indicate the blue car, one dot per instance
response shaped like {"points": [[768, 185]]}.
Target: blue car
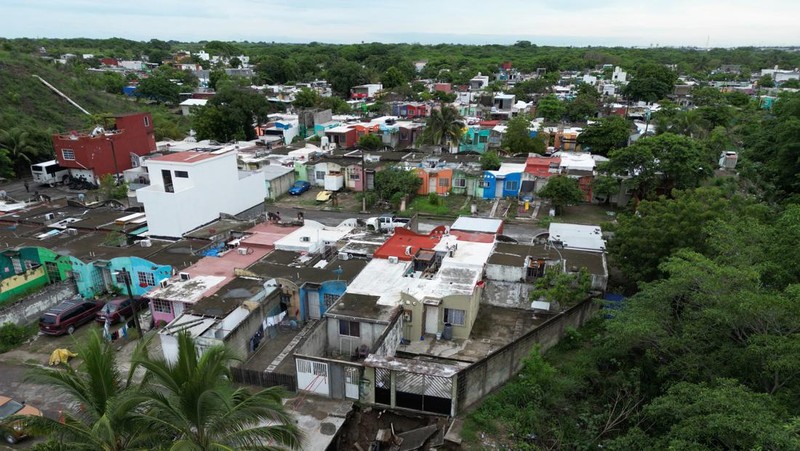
{"points": [[299, 188]]}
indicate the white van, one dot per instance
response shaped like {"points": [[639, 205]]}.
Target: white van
{"points": [[49, 173]]}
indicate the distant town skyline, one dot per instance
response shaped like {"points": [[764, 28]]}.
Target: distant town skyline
{"points": [[698, 23]]}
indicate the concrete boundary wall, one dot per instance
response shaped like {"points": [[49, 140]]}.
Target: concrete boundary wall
{"points": [[29, 309], [485, 375]]}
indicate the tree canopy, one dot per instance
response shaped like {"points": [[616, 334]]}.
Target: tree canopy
{"points": [[561, 191], [605, 135], [517, 138]]}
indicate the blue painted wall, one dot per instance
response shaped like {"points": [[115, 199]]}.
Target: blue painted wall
{"points": [[490, 181], [332, 287], [515, 178], [91, 281]]}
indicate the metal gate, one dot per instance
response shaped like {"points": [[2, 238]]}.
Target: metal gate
{"points": [[313, 377], [424, 392], [351, 381], [383, 386], [313, 304]]}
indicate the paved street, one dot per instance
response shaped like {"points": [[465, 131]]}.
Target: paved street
{"points": [[522, 232]]}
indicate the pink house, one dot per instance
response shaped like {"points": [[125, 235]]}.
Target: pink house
{"points": [[210, 274]]}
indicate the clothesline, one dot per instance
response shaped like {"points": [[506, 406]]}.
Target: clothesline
{"points": [[274, 320]]}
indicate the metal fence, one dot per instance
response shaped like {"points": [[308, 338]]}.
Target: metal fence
{"points": [[480, 378], [263, 378]]}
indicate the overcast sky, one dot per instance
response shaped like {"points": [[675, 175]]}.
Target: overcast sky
{"points": [[722, 23]]}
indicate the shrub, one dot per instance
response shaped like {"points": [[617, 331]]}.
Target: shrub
{"points": [[433, 199], [12, 336]]}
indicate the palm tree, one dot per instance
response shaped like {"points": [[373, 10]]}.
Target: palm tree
{"points": [[20, 146], [195, 400], [108, 416], [444, 126]]}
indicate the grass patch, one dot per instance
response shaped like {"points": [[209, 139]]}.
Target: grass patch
{"points": [[586, 214], [440, 205]]}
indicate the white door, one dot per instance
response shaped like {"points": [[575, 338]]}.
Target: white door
{"points": [[498, 188], [313, 304], [351, 381], [431, 320], [312, 377], [432, 185]]}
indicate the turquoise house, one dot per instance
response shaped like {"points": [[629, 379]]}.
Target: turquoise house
{"points": [[475, 140], [100, 276], [319, 296]]}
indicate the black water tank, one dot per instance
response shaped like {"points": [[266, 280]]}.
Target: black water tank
{"points": [[447, 333]]}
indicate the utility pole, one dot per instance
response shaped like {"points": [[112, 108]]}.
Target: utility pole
{"points": [[363, 182], [126, 276]]}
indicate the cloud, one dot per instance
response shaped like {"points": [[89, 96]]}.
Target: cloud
{"points": [[577, 22]]}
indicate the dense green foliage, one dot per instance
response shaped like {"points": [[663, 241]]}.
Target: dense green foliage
{"points": [[561, 191], [490, 161], [605, 135], [517, 138], [394, 183]]}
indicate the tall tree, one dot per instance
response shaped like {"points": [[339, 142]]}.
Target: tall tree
{"points": [[444, 127], [606, 134], [550, 108], [662, 162], [561, 191], [517, 138], [393, 78], [651, 82], [195, 400]]}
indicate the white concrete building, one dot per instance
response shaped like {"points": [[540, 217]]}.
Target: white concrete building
{"points": [[189, 104], [619, 76], [190, 189], [587, 238], [313, 237]]}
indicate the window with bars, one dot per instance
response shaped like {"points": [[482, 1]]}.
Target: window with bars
{"points": [[460, 183], [454, 316], [146, 278], [349, 328], [319, 175], [512, 185], [68, 154], [485, 184], [329, 299], [162, 306], [444, 182]]}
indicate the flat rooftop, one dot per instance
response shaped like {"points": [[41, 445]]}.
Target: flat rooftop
{"points": [[457, 274], [470, 224], [577, 236], [494, 328], [352, 305], [508, 254]]}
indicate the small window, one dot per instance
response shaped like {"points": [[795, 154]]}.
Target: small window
{"points": [[319, 175], [68, 154], [354, 175], [444, 182], [484, 184], [349, 328], [454, 316], [182, 174], [146, 121], [483, 138], [329, 299], [512, 186], [460, 183], [146, 279], [162, 306]]}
